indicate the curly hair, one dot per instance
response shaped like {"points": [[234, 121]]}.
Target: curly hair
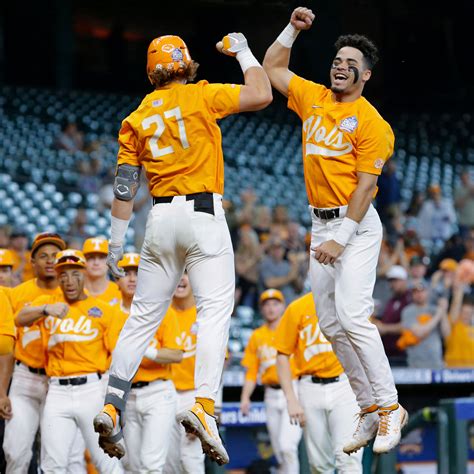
{"points": [[363, 44], [160, 77]]}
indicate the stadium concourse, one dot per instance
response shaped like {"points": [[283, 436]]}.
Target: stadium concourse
{"points": [[51, 183]]}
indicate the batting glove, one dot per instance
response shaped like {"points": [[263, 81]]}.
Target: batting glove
{"points": [[113, 258], [233, 43]]}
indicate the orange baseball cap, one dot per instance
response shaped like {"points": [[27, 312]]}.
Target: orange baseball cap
{"points": [[129, 260], [47, 238], [70, 257], [271, 294], [167, 52], [6, 258], [448, 264], [96, 245]]}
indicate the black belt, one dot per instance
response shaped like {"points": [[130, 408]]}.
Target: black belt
{"points": [[324, 380], [203, 202], [275, 386], [76, 380], [32, 369], [326, 213], [140, 384]]}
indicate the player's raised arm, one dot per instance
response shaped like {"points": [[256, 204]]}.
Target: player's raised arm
{"points": [[256, 94], [277, 57]]}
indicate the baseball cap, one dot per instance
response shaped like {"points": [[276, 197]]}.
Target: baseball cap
{"points": [[167, 52], [6, 258], [271, 294], [70, 257], [448, 264], [95, 245], [397, 272], [129, 260], [47, 238], [434, 188]]}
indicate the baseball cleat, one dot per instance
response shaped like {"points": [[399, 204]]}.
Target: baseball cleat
{"points": [[366, 430], [110, 433], [392, 420], [204, 426]]}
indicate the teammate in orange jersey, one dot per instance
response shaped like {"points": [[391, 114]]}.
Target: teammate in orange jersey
{"points": [[325, 405], [260, 362], [345, 145], [7, 343], [29, 384], [151, 407], [77, 334], [97, 282], [6, 269], [186, 457], [22, 267], [174, 136]]}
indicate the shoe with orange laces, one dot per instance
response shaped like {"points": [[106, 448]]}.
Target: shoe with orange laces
{"points": [[392, 420], [107, 424], [366, 430], [204, 426]]}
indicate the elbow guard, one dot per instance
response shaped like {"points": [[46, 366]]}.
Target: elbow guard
{"points": [[127, 182]]}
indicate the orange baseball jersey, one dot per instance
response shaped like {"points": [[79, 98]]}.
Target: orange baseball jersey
{"points": [[299, 334], [174, 135], [165, 337], [111, 295], [7, 323], [183, 373], [29, 348], [81, 342], [339, 140], [460, 346], [260, 357]]}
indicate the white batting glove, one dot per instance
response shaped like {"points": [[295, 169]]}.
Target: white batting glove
{"points": [[232, 44], [113, 258]]}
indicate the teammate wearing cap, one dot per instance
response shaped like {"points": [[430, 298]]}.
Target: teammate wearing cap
{"points": [[186, 457], [97, 282], [325, 404], [151, 407], [29, 384], [7, 344], [174, 136], [77, 332], [22, 267], [345, 145], [6, 270], [260, 361]]}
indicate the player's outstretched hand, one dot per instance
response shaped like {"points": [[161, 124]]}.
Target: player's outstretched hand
{"points": [[302, 18], [5, 408], [232, 43], [113, 258], [58, 310], [245, 407]]}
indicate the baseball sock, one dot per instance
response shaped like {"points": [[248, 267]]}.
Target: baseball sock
{"points": [[370, 409], [207, 404], [390, 408]]}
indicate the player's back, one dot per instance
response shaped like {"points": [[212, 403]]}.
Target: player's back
{"points": [[174, 135]]}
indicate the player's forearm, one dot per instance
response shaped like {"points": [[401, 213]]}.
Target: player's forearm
{"points": [[164, 355], [29, 315], [6, 370], [360, 201], [121, 213], [284, 376], [122, 209], [258, 84], [247, 389], [276, 57]]}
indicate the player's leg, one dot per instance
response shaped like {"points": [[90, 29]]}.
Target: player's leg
{"points": [[342, 420], [316, 431], [355, 279], [133, 433], [27, 395], [77, 460], [273, 416]]}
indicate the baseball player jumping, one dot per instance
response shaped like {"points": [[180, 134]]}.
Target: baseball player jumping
{"points": [[345, 145], [174, 136]]}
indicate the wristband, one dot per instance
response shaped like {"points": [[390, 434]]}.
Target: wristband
{"points": [[346, 230], [118, 229], [247, 59], [288, 36]]}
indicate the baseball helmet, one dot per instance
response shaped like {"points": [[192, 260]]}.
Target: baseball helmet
{"points": [[167, 52]]}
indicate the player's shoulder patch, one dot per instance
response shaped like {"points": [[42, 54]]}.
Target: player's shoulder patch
{"points": [[95, 312], [349, 124]]}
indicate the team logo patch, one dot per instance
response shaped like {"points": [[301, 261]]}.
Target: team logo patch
{"points": [[177, 55], [378, 163], [194, 328], [94, 312], [113, 301], [349, 124], [157, 103], [167, 48]]}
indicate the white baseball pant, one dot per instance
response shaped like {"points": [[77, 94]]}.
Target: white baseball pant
{"points": [[186, 457], [330, 411], [343, 297], [149, 420], [67, 408], [284, 436], [177, 237]]}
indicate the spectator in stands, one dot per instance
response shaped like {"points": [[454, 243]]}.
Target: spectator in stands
{"points": [[460, 340], [388, 197], [106, 192], [263, 222], [464, 202], [77, 231], [388, 323], [469, 245], [437, 218], [424, 327], [277, 272], [247, 259], [70, 139], [232, 221], [280, 221], [246, 213], [4, 237], [442, 280], [417, 271], [22, 268], [295, 241]]}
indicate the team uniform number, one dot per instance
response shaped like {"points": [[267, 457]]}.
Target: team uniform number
{"points": [[158, 120]]}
